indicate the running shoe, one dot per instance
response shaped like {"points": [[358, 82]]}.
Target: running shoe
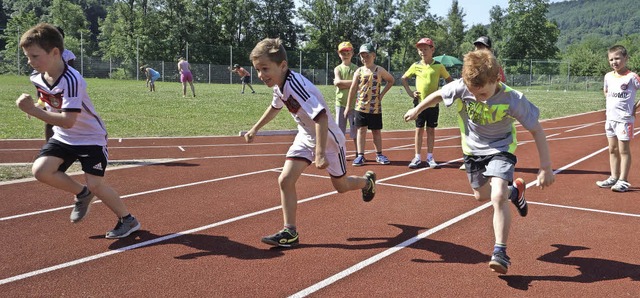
{"points": [[124, 228], [284, 238], [499, 262], [369, 191], [82, 206], [359, 161], [517, 196], [381, 159], [621, 186], [415, 163], [610, 182], [432, 163]]}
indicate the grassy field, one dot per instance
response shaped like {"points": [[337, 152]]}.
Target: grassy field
{"points": [[130, 110]]}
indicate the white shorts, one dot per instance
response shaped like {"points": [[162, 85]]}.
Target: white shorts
{"points": [[334, 152], [621, 130]]}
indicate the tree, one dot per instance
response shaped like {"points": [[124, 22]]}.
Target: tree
{"points": [[13, 58], [496, 29], [329, 22], [71, 19], [414, 22], [528, 33], [455, 26]]}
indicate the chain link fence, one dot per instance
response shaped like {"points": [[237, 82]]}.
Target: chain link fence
{"points": [[542, 74]]}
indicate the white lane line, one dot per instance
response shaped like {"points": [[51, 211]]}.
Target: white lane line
{"points": [[386, 253], [140, 193], [181, 149], [585, 209], [328, 281]]}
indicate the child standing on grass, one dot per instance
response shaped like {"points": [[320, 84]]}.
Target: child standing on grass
{"points": [[152, 75], [366, 84], [343, 79], [488, 110], [79, 133], [427, 73], [245, 77], [620, 87], [186, 76], [318, 140]]}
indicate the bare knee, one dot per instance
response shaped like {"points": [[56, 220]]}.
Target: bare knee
{"points": [[39, 173], [286, 182]]}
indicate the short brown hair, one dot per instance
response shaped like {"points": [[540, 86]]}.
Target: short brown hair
{"points": [[270, 47], [618, 48], [43, 35], [480, 68]]}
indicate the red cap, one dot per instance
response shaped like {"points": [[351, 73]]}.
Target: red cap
{"points": [[425, 41]]}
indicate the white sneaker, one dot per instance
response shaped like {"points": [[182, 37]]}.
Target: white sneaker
{"points": [[415, 163], [610, 182], [432, 163], [621, 186]]}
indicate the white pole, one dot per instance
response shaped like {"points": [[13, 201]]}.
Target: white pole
{"points": [[230, 64], [18, 53], [81, 56], [300, 62], [326, 80], [187, 52], [137, 58]]}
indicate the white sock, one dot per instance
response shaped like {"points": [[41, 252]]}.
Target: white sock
{"points": [[429, 156], [418, 156]]}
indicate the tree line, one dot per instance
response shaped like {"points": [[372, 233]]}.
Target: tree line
{"points": [[128, 30]]}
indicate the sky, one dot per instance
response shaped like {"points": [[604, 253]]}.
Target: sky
{"points": [[477, 11]]}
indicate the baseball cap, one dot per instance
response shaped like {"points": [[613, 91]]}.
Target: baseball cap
{"points": [[236, 66], [345, 46], [426, 41], [485, 40], [367, 48]]}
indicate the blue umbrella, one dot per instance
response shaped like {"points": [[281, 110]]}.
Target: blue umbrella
{"points": [[448, 61]]}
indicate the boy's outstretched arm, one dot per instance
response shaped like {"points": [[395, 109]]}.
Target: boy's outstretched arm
{"points": [[322, 128], [545, 175], [65, 119], [268, 115], [430, 101]]}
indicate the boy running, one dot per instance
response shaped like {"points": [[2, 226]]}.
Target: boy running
{"points": [[488, 110], [79, 133], [318, 140]]}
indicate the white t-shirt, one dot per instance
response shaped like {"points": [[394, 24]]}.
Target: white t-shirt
{"points": [[305, 102], [67, 55], [621, 94], [69, 94]]}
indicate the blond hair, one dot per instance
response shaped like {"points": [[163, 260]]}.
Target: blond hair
{"points": [[43, 35], [270, 47], [480, 68]]}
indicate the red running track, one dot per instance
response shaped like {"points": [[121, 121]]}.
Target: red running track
{"points": [[203, 213]]}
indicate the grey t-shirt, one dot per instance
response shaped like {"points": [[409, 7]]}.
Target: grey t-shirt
{"points": [[488, 127]]}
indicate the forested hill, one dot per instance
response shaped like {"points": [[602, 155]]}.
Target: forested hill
{"points": [[609, 20]]}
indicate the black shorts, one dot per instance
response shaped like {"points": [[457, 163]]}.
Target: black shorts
{"points": [[371, 121], [246, 79], [93, 158], [428, 116]]}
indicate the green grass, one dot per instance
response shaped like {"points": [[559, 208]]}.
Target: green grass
{"points": [[130, 110]]}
